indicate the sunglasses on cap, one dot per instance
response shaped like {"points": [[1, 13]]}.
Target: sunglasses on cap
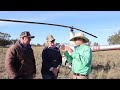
{"points": [[52, 41]]}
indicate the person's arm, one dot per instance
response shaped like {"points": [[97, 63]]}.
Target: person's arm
{"points": [[67, 51], [34, 64], [68, 57], [59, 60], [9, 60], [46, 60]]}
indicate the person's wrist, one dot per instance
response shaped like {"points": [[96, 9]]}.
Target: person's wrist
{"points": [[58, 66]]}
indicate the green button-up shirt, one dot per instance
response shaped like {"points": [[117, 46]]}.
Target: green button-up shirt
{"points": [[81, 59]]}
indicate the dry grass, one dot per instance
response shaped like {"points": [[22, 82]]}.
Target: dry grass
{"points": [[3, 74], [106, 65]]}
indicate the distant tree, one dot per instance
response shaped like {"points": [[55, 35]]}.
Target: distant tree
{"points": [[57, 44], [44, 44], [4, 36], [95, 44], [13, 41], [5, 39], [4, 42], [114, 39], [39, 44], [33, 45], [89, 43]]}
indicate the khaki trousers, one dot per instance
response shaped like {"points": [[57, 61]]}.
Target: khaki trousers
{"points": [[80, 77]]}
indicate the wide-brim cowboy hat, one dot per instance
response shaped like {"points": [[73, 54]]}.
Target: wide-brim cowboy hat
{"points": [[81, 36]]}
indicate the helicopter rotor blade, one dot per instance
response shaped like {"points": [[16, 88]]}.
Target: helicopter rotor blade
{"points": [[47, 24]]}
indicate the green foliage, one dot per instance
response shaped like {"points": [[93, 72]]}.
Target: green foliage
{"points": [[4, 42], [114, 39], [95, 44], [4, 39]]}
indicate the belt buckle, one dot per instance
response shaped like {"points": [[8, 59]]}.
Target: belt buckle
{"points": [[83, 75], [78, 74]]}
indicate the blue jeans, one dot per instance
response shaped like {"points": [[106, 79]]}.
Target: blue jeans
{"points": [[24, 77], [49, 76]]}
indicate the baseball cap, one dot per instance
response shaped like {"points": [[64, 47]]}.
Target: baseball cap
{"points": [[26, 34], [50, 38]]}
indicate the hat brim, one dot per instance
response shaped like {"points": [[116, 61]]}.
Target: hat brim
{"points": [[28, 36], [31, 36], [85, 39]]}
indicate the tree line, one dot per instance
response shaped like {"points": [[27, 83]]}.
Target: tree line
{"points": [[114, 39], [5, 40]]}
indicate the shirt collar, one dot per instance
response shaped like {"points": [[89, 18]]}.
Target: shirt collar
{"points": [[25, 46]]}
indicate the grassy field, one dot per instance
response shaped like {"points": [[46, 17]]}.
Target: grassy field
{"points": [[106, 65]]}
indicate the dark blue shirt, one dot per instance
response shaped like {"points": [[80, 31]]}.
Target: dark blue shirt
{"points": [[51, 57], [25, 47]]}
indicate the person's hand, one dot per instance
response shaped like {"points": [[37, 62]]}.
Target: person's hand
{"points": [[69, 50], [62, 48], [34, 75], [59, 70], [55, 71]]}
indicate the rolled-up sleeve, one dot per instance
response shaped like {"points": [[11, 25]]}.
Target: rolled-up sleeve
{"points": [[68, 57]]}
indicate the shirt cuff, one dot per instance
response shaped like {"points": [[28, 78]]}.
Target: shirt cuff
{"points": [[51, 69], [70, 53], [58, 67], [66, 53]]}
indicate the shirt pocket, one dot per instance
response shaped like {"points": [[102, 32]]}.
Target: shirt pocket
{"points": [[77, 56]]}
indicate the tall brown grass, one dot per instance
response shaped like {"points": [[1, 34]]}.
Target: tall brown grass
{"points": [[105, 65]]}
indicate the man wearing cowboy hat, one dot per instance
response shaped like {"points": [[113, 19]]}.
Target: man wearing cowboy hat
{"points": [[81, 58], [51, 59], [20, 61]]}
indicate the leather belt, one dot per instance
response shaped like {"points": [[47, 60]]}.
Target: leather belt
{"points": [[78, 74]]}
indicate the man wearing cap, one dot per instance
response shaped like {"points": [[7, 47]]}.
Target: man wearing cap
{"points": [[51, 59], [20, 61], [81, 57]]}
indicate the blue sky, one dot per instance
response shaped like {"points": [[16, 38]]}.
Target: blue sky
{"points": [[100, 23]]}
